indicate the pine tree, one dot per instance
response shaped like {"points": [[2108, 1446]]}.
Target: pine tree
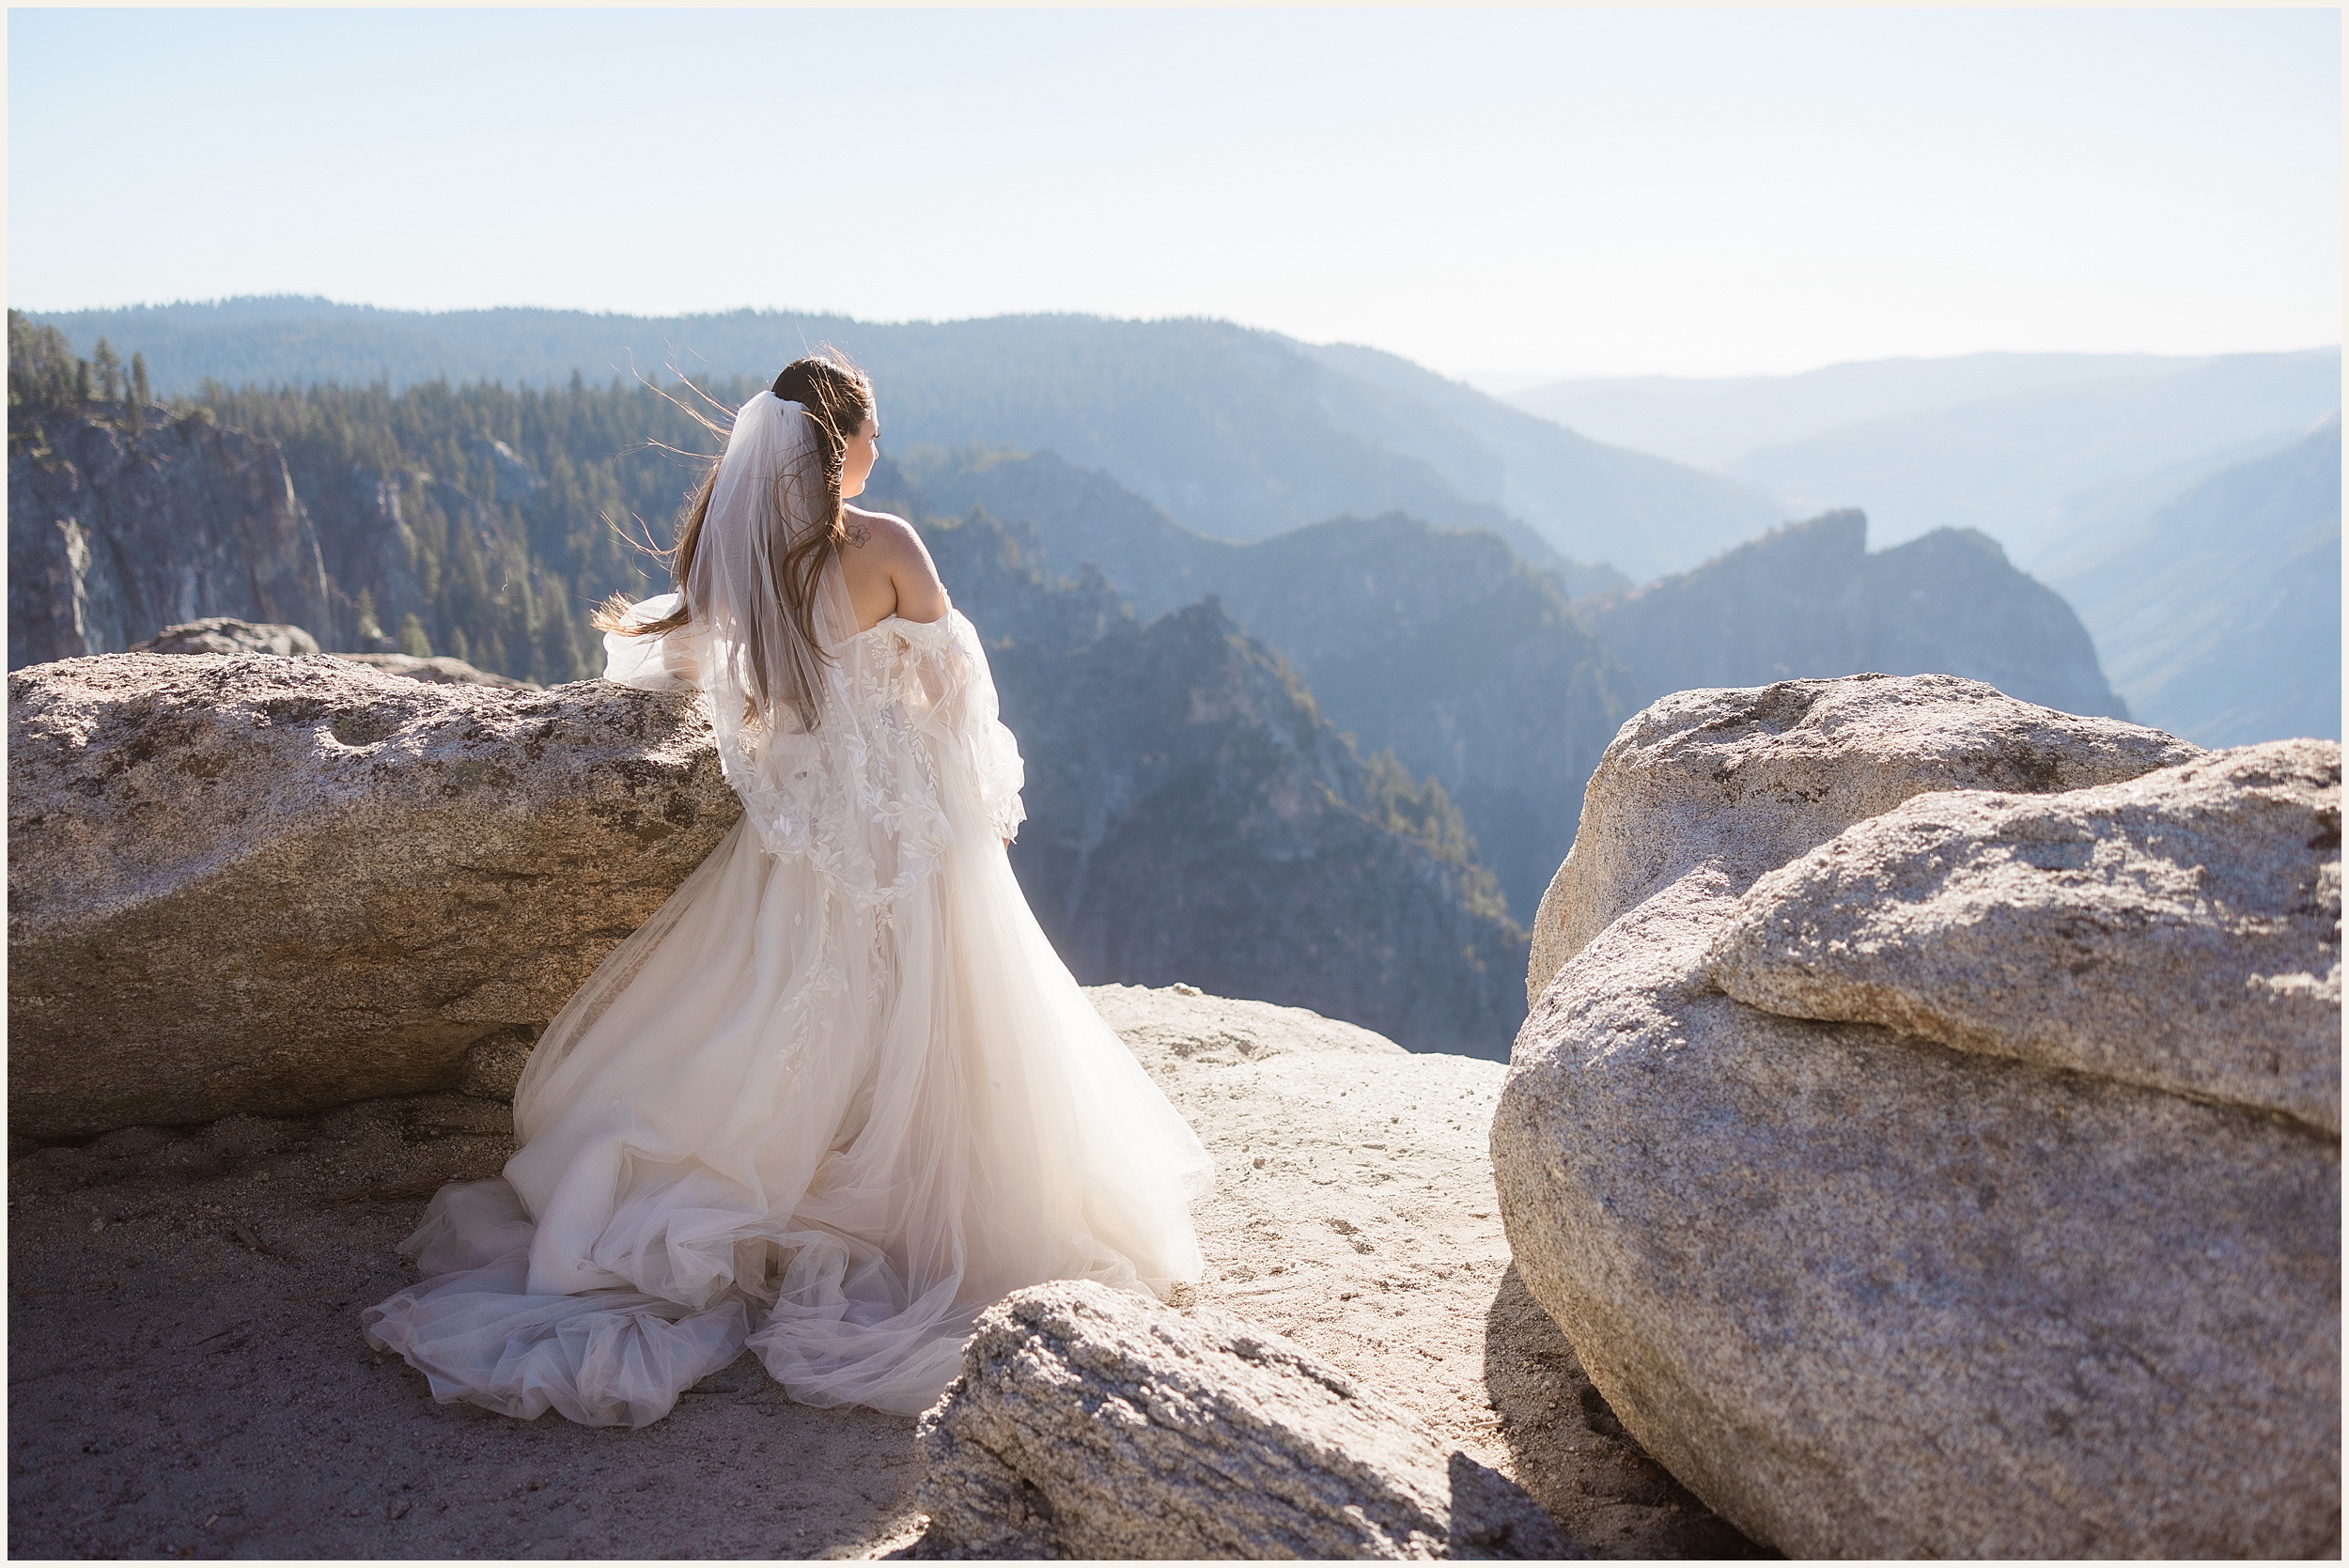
{"points": [[370, 629], [139, 392], [412, 642], [109, 368]]}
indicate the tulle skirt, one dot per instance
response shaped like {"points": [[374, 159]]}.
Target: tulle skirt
{"points": [[830, 1129]]}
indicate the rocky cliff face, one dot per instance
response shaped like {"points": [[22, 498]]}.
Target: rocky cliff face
{"points": [[1808, 602], [417, 544], [1465, 662], [114, 536], [333, 524], [1192, 816]]}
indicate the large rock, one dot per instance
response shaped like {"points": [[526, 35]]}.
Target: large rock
{"points": [[2179, 931], [227, 635], [1090, 1423], [272, 885], [1747, 778], [1870, 1295]]}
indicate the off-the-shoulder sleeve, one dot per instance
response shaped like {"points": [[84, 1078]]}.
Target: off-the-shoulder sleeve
{"points": [[951, 662], [664, 662]]}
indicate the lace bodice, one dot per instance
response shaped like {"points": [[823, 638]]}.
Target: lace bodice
{"points": [[905, 713]]}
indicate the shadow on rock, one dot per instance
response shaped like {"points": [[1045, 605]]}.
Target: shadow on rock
{"points": [[1575, 1459]]}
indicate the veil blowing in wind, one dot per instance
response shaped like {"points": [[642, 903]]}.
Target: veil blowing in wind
{"points": [[839, 1094]]}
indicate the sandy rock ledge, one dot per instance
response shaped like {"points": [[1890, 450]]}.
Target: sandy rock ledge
{"points": [[188, 1377]]}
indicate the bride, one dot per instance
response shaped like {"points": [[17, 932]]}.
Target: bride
{"points": [[839, 1094]]}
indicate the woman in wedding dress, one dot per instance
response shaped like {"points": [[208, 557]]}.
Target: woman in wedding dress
{"points": [[838, 1095]]}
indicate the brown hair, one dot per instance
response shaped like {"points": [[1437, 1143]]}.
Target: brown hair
{"points": [[839, 399]]}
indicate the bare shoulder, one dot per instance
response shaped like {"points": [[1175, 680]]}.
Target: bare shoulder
{"points": [[895, 544], [886, 532]]}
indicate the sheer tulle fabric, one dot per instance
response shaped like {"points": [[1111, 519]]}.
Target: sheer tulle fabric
{"points": [[836, 1097]]}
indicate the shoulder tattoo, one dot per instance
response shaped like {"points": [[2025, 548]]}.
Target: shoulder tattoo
{"points": [[860, 533]]}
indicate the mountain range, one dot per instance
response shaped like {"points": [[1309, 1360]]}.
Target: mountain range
{"points": [[2218, 610], [1504, 680], [2024, 447], [1237, 433]]}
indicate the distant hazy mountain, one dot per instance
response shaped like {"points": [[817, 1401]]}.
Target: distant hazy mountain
{"points": [[1593, 502], [1232, 431], [2218, 613], [2028, 448], [1436, 643], [2007, 466], [1713, 422], [1470, 666], [1082, 515], [1808, 600]]}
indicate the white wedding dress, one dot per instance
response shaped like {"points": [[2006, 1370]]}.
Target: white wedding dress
{"points": [[837, 1097]]}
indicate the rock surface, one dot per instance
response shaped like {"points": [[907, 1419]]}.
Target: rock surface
{"points": [[1369, 1236], [1868, 1295], [1093, 1424], [187, 1377], [272, 885], [1354, 1214], [441, 669], [227, 635], [1749, 778], [2179, 931]]}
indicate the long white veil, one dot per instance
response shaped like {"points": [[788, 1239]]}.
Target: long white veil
{"points": [[769, 495]]}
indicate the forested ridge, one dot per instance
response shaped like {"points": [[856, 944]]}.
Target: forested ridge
{"points": [[476, 520]]}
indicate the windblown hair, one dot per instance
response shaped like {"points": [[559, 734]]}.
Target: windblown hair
{"points": [[839, 399]]}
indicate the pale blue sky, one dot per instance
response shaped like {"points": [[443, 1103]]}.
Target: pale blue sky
{"points": [[1544, 192]]}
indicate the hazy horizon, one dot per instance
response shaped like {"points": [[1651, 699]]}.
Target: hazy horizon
{"points": [[1533, 195], [1499, 384]]}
